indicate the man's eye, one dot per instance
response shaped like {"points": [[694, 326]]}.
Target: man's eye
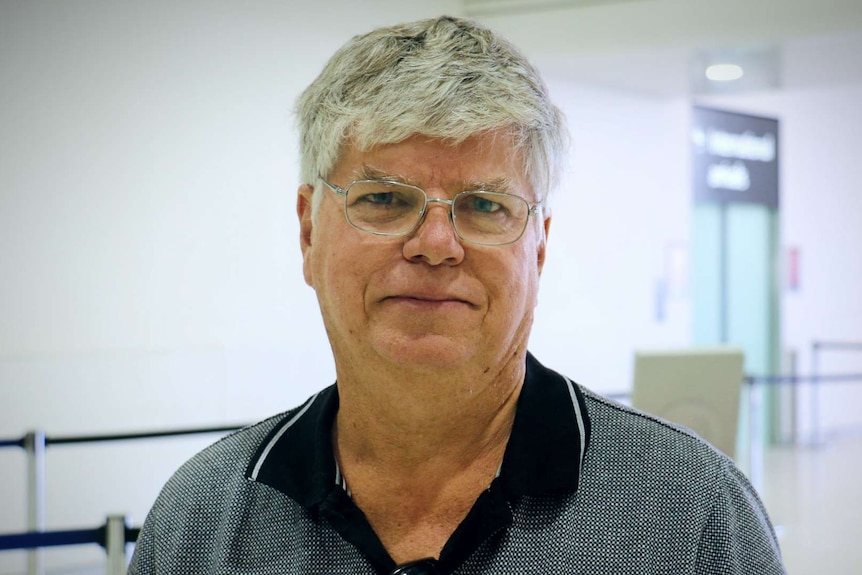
{"points": [[480, 204], [380, 198]]}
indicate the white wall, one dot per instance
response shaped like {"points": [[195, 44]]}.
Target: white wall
{"points": [[622, 211]]}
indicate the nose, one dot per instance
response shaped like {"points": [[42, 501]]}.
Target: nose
{"points": [[434, 241]]}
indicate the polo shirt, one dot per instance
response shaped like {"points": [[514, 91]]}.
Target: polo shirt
{"points": [[586, 486]]}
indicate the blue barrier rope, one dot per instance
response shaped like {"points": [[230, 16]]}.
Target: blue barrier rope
{"points": [[141, 435], [838, 345], [37, 539], [794, 379], [122, 436], [771, 380], [34, 539]]}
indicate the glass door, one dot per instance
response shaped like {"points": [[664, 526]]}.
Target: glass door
{"points": [[735, 301]]}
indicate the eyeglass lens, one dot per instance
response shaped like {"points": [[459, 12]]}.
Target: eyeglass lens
{"points": [[391, 208]]}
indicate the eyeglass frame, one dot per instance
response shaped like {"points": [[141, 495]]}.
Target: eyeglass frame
{"points": [[533, 209]]}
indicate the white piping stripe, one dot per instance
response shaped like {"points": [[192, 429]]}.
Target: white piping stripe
{"points": [[340, 480], [278, 435], [581, 431]]}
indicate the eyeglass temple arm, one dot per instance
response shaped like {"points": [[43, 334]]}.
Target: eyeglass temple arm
{"points": [[337, 189]]}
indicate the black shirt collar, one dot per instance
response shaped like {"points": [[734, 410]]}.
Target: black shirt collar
{"points": [[549, 436], [545, 453]]}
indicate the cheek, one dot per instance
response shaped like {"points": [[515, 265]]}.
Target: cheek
{"points": [[345, 271], [514, 281], [528, 272]]}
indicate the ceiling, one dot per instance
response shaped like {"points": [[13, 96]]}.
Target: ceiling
{"points": [[661, 47]]}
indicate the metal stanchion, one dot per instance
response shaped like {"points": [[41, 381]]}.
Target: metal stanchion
{"points": [[34, 445], [817, 379], [755, 439], [115, 544], [112, 536], [815, 390], [789, 425]]}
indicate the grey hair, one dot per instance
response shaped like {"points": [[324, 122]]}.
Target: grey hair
{"points": [[443, 78]]}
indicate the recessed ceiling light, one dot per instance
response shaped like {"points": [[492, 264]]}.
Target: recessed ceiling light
{"points": [[724, 72]]}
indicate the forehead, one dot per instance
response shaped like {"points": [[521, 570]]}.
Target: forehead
{"points": [[476, 162]]}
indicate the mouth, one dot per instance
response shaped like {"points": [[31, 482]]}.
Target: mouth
{"points": [[429, 301]]}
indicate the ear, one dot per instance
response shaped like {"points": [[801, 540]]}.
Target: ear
{"points": [[306, 228], [546, 225]]}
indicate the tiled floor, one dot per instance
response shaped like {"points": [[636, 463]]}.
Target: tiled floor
{"points": [[814, 497]]}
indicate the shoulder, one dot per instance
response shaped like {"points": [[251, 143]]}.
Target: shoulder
{"points": [[213, 474], [199, 501], [227, 457], [195, 501], [216, 475], [618, 428], [644, 453]]}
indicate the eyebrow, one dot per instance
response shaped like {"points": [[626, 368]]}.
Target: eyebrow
{"points": [[499, 185], [371, 173]]}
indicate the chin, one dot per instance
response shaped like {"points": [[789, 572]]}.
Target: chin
{"points": [[426, 352]]}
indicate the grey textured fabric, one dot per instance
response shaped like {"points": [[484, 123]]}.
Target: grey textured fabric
{"points": [[651, 498]]}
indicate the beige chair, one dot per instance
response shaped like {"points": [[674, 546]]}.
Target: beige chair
{"points": [[698, 388]]}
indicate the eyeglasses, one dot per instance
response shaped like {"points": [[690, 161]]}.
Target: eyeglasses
{"points": [[386, 208], [421, 567]]}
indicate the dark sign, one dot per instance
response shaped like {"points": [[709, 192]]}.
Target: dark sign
{"points": [[735, 157]]}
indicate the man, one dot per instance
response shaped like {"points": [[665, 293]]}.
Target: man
{"points": [[428, 150]]}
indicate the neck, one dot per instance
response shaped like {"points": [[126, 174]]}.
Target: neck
{"points": [[417, 449], [398, 421]]}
